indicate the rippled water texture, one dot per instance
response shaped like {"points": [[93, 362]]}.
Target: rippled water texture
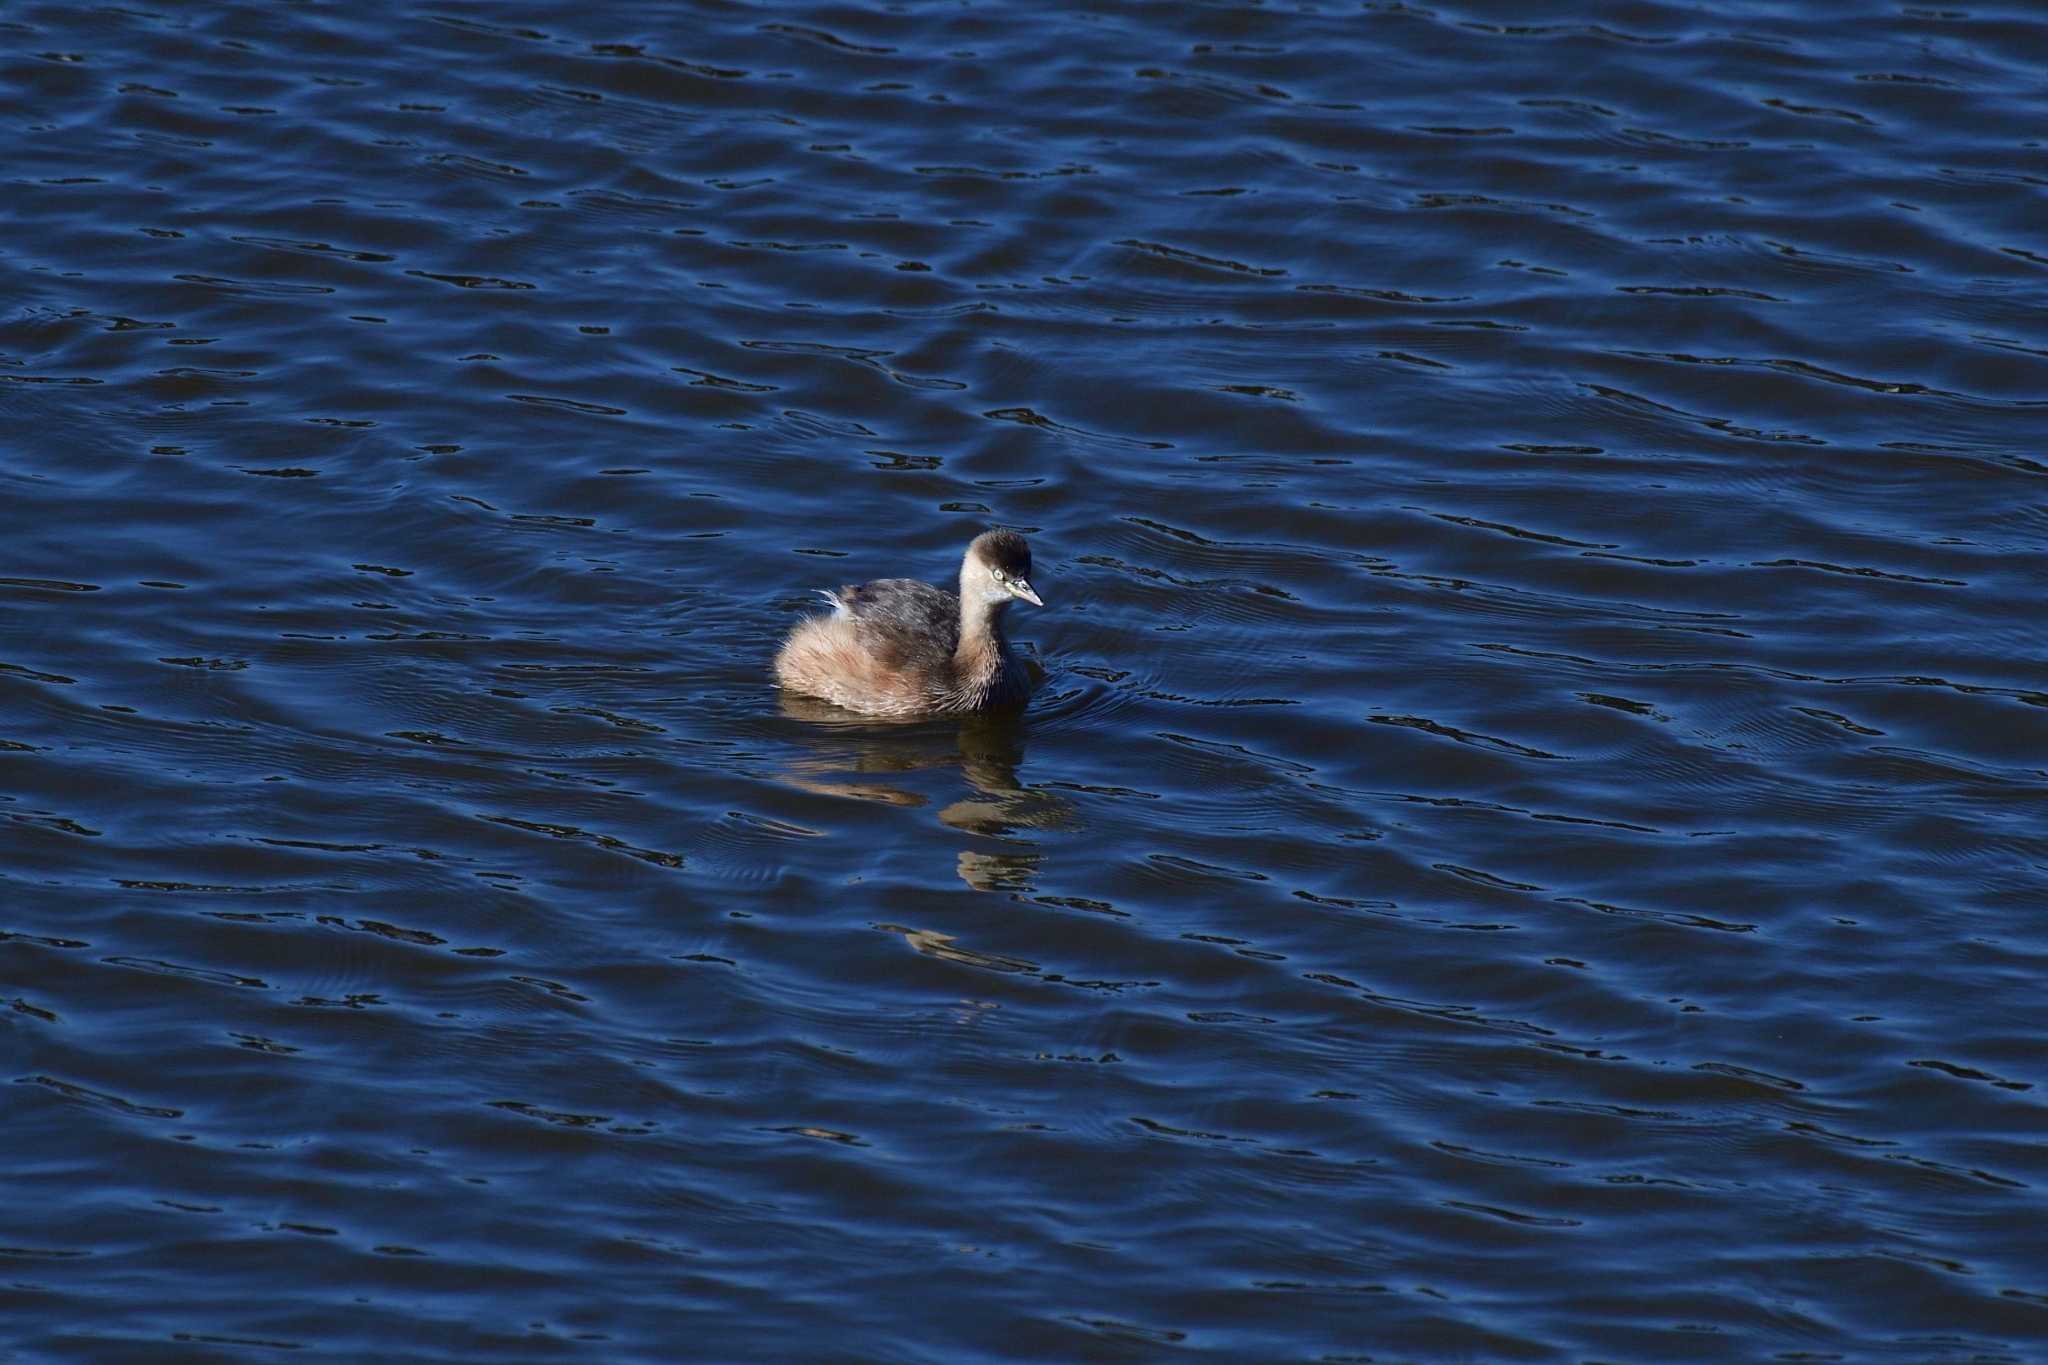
{"points": [[1531, 845]]}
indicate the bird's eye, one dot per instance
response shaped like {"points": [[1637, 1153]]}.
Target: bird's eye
{"points": [[999, 575]]}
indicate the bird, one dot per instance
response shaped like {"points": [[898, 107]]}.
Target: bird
{"points": [[901, 647]]}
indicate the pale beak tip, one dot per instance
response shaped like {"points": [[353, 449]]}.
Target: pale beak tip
{"points": [[1023, 590]]}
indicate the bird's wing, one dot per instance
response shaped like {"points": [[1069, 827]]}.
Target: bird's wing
{"points": [[903, 622]]}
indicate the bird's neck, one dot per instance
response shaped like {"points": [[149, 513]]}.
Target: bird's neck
{"points": [[981, 629]]}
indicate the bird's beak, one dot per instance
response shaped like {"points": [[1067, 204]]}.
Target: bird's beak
{"points": [[1020, 588]]}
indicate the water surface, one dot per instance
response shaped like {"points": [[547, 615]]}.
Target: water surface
{"points": [[1531, 845]]}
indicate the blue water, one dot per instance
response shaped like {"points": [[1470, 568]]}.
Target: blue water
{"points": [[1532, 844]]}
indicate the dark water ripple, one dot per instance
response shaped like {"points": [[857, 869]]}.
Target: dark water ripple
{"points": [[1531, 845]]}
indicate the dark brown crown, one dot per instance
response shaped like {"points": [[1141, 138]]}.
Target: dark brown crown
{"points": [[1004, 550]]}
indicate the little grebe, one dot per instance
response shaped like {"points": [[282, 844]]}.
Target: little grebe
{"points": [[898, 647]]}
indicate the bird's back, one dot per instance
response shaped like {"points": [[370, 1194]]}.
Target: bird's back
{"points": [[905, 624]]}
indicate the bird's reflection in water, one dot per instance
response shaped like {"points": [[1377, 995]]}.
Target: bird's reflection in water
{"points": [[855, 756]]}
